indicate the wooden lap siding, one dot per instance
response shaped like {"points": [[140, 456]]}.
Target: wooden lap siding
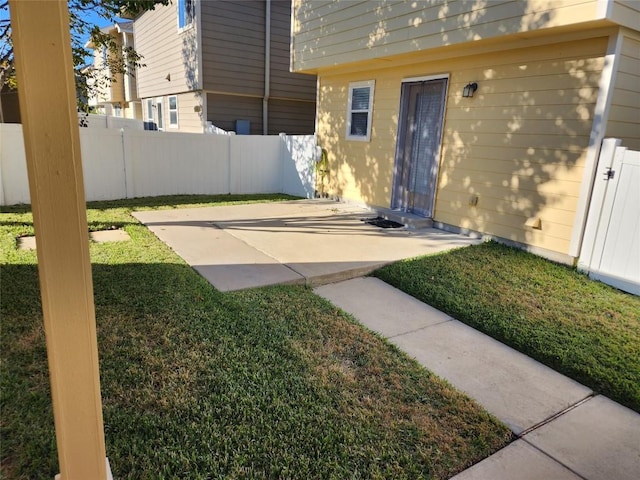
{"points": [[224, 110], [344, 31], [519, 143], [233, 57], [165, 52], [624, 117], [292, 117], [189, 113]]}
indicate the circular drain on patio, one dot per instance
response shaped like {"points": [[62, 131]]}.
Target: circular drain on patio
{"points": [[382, 222]]}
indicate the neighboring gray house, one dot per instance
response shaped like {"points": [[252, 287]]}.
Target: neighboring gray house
{"points": [[224, 63]]}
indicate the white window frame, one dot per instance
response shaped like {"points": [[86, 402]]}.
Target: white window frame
{"points": [[170, 110], [160, 116], [148, 110], [353, 85], [181, 10]]}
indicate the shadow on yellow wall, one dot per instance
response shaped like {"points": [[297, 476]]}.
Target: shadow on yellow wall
{"points": [[517, 148]]}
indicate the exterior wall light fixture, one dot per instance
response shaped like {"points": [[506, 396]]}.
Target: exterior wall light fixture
{"points": [[469, 89]]}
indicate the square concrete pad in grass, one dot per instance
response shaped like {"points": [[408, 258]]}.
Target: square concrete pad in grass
{"points": [[518, 461], [599, 440], [380, 307], [515, 388], [102, 236]]}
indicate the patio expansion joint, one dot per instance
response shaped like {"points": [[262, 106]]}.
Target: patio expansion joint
{"points": [[548, 455], [522, 435], [450, 319], [555, 416], [257, 248]]}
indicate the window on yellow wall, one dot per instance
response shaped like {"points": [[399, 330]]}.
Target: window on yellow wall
{"points": [[359, 110]]}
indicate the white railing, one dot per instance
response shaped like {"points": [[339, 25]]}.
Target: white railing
{"points": [[121, 163], [211, 128]]}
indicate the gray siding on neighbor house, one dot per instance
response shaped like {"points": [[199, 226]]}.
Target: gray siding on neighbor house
{"points": [[233, 46], [233, 57], [224, 110], [233, 50], [291, 116], [229, 37], [166, 52], [285, 84]]}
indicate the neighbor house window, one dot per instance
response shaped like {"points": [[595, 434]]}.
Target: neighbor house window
{"points": [[359, 110], [117, 110], [173, 111], [149, 103], [186, 13], [160, 113]]}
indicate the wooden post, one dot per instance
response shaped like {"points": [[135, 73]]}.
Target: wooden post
{"points": [[44, 68]]}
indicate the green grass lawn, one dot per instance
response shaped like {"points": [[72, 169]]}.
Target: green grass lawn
{"points": [[263, 383], [582, 328]]}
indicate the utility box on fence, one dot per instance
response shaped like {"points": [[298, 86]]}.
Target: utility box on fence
{"points": [[243, 127]]}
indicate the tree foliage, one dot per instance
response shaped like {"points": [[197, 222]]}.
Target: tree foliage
{"points": [[120, 60]]}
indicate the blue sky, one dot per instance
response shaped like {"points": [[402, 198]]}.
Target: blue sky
{"points": [[92, 18], [96, 20]]}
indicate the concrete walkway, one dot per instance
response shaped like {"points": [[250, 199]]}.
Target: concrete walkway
{"points": [[565, 431]]}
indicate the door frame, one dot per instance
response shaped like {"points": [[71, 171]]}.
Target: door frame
{"points": [[159, 104], [399, 131]]}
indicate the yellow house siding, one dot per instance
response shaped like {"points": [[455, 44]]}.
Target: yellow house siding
{"points": [[346, 31], [519, 143], [624, 116]]}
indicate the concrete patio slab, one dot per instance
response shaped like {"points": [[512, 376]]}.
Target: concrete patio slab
{"points": [[388, 311], [515, 388], [520, 461], [307, 241], [226, 262], [599, 440]]}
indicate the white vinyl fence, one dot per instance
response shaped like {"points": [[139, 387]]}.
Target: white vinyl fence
{"points": [[92, 120], [125, 163], [611, 244]]}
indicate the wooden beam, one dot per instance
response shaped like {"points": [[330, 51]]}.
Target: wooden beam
{"points": [[44, 68]]}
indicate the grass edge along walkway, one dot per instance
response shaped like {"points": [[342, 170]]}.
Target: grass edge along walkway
{"points": [[265, 383], [581, 328]]}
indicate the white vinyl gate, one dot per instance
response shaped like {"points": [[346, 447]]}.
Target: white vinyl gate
{"points": [[611, 245]]}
